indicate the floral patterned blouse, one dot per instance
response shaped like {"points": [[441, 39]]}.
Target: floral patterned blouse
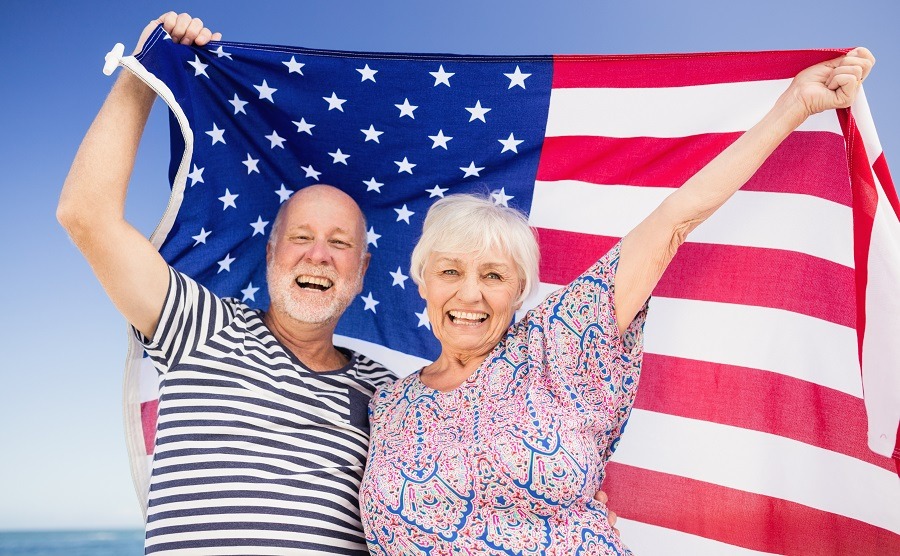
{"points": [[508, 462]]}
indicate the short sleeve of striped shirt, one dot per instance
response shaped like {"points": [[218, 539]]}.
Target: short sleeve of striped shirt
{"points": [[191, 314]]}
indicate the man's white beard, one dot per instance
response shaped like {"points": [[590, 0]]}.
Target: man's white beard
{"points": [[283, 287]]}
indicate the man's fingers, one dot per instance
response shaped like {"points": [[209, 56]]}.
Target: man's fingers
{"points": [[181, 25], [192, 31], [168, 20], [203, 37], [216, 36]]}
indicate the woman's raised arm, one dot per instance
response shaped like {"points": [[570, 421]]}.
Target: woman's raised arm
{"points": [[649, 248]]}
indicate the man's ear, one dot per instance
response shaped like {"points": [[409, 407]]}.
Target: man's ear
{"points": [[367, 258]]}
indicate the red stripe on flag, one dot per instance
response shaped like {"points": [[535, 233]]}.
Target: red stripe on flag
{"points": [[669, 162], [739, 518], [865, 203], [724, 273], [681, 70], [757, 400], [887, 183], [149, 412]]}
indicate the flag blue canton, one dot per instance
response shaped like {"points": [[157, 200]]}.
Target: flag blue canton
{"points": [[395, 132]]}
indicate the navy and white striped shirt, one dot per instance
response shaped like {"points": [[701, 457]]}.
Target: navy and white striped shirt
{"points": [[255, 453]]}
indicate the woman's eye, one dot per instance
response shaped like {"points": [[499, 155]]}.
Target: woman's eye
{"points": [[450, 272], [493, 275]]}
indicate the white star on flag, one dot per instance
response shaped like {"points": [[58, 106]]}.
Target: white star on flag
{"points": [[259, 227], [199, 67], [201, 237], [368, 74], [218, 135], [335, 103], [228, 199], [373, 185], [311, 172], [399, 278], [436, 191], [517, 78], [265, 92], [478, 112], [472, 170], [220, 53], [303, 127], [403, 213], [423, 319], [238, 104], [510, 144], [370, 303], [405, 165], [339, 157], [196, 175], [293, 66], [275, 139], [440, 140], [441, 77], [501, 198], [406, 109], [225, 264], [372, 134], [251, 163], [283, 194], [249, 292], [372, 237]]}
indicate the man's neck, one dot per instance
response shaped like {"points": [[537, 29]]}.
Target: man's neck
{"points": [[312, 344]]}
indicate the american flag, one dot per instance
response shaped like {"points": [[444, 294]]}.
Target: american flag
{"points": [[751, 433]]}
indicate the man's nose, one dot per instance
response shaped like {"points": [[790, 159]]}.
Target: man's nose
{"points": [[318, 252]]}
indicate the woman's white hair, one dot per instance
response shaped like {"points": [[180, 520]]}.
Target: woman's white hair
{"points": [[470, 223]]}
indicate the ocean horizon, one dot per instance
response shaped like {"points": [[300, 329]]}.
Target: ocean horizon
{"points": [[87, 542]]}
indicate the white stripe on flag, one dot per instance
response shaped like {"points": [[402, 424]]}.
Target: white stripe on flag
{"points": [[796, 345], [643, 538], [149, 381], [863, 116], [670, 111], [881, 348], [789, 221], [401, 363], [762, 463]]}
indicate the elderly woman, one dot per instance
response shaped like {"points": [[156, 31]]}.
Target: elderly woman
{"points": [[497, 446]]}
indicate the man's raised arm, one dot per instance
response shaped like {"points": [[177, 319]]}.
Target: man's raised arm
{"points": [[92, 204]]}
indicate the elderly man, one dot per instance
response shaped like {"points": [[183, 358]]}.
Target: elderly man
{"points": [[263, 431]]}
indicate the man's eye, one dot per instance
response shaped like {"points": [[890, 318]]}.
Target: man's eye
{"points": [[339, 243]]}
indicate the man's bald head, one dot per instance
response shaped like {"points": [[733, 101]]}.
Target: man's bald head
{"points": [[347, 213]]}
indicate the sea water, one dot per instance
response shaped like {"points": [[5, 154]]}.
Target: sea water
{"points": [[72, 543]]}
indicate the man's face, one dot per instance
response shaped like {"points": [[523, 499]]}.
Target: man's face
{"points": [[316, 265]]}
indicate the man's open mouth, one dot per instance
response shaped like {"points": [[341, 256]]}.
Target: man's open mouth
{"points": [[314, 282], [466, 317]]}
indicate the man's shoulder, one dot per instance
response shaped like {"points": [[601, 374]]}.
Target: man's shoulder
{"points": [[370, 370]]}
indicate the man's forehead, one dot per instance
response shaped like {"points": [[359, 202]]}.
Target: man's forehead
{"points": [[303, 225]]}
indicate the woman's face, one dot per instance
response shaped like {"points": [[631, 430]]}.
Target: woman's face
{"points": [[471, 299]]}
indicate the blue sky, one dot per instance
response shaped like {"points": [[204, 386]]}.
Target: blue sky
{"points": [[63, 462]]}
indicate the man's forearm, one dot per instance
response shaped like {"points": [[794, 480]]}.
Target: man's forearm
{"points": [[97, 182]]}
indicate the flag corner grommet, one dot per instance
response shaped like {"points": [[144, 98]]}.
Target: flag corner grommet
{"points": [[112, 58]]}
